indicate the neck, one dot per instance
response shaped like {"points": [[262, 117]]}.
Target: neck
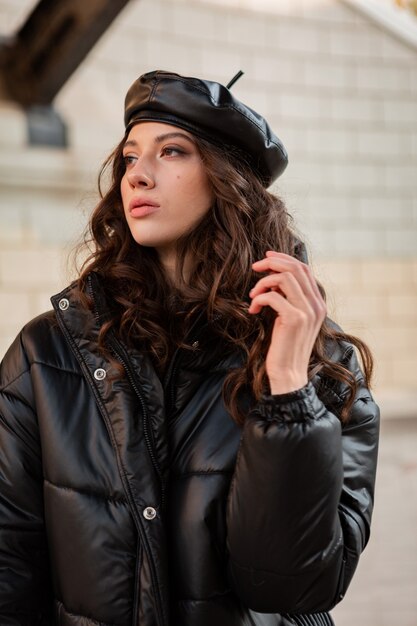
{"points": [[169, 262]]}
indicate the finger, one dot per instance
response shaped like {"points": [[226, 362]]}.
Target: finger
{"points": [[271, 281], [285, 263], [299, 268], [304, 267], [286, 284], [277, 261], [276, 301]]}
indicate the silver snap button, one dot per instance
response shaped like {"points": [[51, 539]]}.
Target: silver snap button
{"points": [[100, 374], [149, 513], [195, 345], [63, 304]]}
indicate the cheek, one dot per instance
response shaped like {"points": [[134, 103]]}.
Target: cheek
{"points": [[124, 191], [206, 195], [202, 192]]}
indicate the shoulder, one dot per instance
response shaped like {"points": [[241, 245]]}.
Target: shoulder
{"points": [[40, 341], [30, 343], [342, 354], [38, 329]]}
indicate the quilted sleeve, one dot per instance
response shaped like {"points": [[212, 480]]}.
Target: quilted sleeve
{"points": [[301, 500], [24, 578]]}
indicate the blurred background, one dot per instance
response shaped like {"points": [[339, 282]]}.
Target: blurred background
{"points": [[337, 79]]}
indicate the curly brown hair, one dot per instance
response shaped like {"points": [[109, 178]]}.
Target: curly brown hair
{"points": [[244, 222]]}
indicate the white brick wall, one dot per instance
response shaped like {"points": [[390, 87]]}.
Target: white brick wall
{"points": [[377, 299]]}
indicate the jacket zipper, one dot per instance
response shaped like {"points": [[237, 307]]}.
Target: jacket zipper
{"points": [[116, 348], [135, 612], [158, 602], [173, 367], [168, 381], [154, 461]]}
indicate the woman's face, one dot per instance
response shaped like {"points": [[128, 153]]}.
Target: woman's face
{"points": [[165, 190]]}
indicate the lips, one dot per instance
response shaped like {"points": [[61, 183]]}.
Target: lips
{"points": [[140, 207]]}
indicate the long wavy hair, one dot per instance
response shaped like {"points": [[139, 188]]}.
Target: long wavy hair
{"points": [[244, 222]]}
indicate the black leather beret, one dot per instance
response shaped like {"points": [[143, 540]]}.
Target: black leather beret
{"points": [[209, 110]]}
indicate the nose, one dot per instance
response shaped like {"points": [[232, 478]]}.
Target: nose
{"points": [[140, 176]]}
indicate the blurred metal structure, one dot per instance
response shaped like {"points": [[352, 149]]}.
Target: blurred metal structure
{"points": [[411, 5], [396, 17], [50, 45]]}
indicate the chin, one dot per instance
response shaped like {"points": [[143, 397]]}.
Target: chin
{"points": [[150, 242]]}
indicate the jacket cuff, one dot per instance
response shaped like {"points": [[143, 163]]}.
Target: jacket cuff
{"points": [[295, 406]]}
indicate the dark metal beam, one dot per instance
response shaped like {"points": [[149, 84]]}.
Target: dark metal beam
{"points": [[50, 45]]}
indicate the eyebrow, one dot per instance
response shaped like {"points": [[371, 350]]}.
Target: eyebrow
{"points": [[160, 139]]}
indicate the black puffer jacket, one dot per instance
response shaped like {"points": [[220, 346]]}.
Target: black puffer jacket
{"points": [[132, 503]]}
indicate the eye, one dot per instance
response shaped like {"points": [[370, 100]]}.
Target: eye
{"points": [[129, 160], [172, 151]]}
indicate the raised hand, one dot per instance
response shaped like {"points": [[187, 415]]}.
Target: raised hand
{"points": [[291, 290]]}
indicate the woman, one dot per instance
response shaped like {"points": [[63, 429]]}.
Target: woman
{"points": [[186, 439]]}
